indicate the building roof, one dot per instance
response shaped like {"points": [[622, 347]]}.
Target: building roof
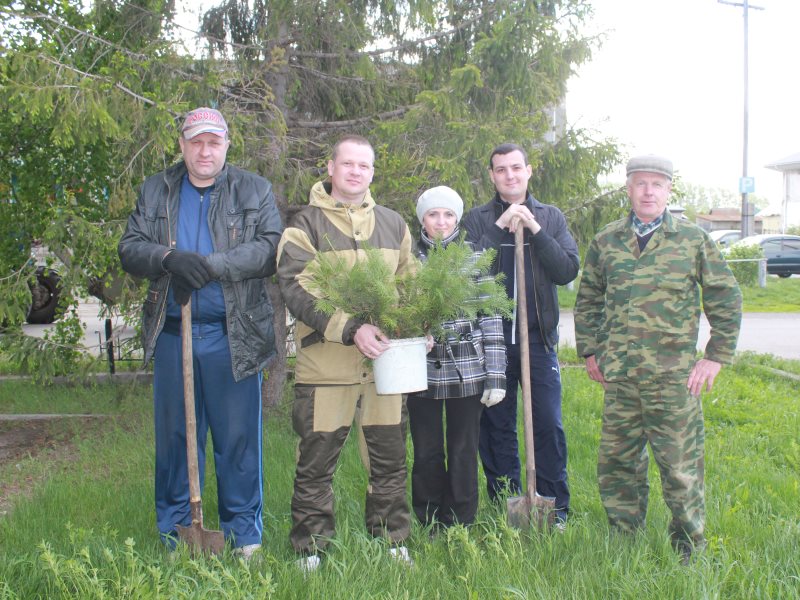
{"points": [[787, 163], [725, 214]]}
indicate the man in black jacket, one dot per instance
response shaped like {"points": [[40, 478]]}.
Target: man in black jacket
{"points": [[208, 231], [551, 258]]}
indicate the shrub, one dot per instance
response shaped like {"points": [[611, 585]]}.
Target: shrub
{"points": [[746, 273], [449, 284]]}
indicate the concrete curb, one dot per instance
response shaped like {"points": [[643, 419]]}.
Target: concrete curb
{"points": [[142, 377]]}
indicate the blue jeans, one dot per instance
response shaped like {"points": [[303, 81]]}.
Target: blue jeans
{"points": [[498, 445]]}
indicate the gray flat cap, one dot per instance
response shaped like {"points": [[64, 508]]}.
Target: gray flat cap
{"points": [[651, 164]]}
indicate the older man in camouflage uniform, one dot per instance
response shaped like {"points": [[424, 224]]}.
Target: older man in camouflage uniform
{"points": [[636, 323]]}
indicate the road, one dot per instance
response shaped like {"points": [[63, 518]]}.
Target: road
{"points": [[764, 333], [94, 328]]}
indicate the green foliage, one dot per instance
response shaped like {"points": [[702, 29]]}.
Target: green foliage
{"points": [[449, 284], [746, 273], [129, 574], [93, 93], [366, 290], [57, 353]]}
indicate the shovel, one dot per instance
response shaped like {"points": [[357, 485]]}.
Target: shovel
{"points": [[530, 509], [199, 539]]}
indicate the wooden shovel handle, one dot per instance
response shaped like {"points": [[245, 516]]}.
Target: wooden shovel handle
{"points": [[188, 402], [525, 359]]}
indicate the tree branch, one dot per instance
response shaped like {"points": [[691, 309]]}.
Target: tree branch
{"points": [[392, 49], [351, 122], [591, 201]]}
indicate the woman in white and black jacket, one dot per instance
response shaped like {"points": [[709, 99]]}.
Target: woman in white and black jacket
{"points": [[466, 370]]}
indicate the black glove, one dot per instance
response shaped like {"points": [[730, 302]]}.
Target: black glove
{"points": [[190, 266], [181, 290]]}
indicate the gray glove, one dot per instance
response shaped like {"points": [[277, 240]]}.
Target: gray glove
{"points": [[492, 397]]}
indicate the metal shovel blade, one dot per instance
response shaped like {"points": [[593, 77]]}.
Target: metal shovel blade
{"points": [[201, 540], [525, 512]]}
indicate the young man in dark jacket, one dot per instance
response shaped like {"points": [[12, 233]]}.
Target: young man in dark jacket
{"points": [[551, 258], [207, 231]]}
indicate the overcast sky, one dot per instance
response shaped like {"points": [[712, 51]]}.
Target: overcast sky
{"points": [[669, 79]]}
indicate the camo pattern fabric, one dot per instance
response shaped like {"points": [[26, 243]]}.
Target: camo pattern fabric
{"points": [[663, 413], [638, 311]]}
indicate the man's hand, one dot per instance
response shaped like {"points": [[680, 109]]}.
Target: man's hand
{"points": [[370, 341], [593, 369], [181, 290], [703, 374], [492, 397], [516, 214], [190, 266]]}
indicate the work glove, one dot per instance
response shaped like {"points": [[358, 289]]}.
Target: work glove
{"points": [[190, 266], [181, 290], [492, 397]]}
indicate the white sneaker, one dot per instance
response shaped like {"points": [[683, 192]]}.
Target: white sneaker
{"points": [[400, 553], [247, 552], [308, 564]]}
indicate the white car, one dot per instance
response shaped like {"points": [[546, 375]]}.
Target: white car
{"points": [[725, 237]]}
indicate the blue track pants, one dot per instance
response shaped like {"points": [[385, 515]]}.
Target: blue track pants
{"points": [[232, 411]]}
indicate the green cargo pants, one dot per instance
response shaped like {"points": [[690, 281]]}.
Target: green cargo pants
{"points": [[664, 414], [322, 416]]}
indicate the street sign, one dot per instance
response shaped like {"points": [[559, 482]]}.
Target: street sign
{"points": [[747, 185]]}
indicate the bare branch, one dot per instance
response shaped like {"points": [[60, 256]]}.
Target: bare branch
{"points": [[591, 201], [37, 16], [399, 48], [352, 122]]}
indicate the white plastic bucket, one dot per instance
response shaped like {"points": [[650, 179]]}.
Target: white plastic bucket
{"points": [[402, 367]]}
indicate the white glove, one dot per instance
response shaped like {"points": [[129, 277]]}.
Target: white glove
{"points": [[492, 397]]}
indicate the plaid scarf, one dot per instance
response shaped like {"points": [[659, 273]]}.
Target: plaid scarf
{"points": [[431, 242], [643, 229]]}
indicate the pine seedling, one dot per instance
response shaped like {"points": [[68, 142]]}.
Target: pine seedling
{"points": [[450, 284]]}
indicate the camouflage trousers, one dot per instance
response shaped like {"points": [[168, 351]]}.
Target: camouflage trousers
{"points": [[664, 414], [322, 416]]}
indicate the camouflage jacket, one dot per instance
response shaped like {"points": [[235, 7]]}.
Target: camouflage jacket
{"points": [[639, 312]]}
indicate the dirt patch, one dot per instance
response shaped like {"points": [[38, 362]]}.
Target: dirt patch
{"points": [[49, 440], [26, 438]]}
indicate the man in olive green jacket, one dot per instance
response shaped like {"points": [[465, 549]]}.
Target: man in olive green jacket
{"points": [[636, 323], [333, 383]]}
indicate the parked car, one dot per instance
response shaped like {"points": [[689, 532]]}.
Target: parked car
{"points": [[782, 252], [725, 237]]}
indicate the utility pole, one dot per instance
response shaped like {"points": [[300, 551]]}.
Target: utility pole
{"points": [[746, 184]]}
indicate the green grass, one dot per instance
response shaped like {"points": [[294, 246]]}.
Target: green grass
{"points": [[88, 529], [780, 295]]}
